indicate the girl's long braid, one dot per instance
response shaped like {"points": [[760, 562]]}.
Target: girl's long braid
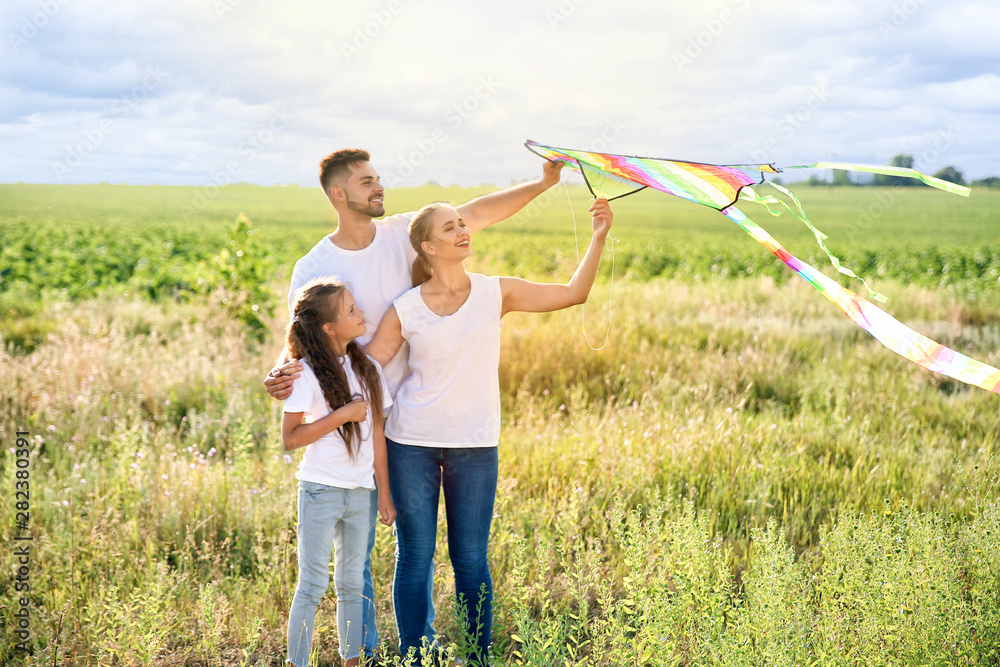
{"points": [[306, 339]]}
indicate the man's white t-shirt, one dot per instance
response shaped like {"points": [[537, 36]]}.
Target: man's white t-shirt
{"points": [[377, 275], [327, 460], [452, 396]]}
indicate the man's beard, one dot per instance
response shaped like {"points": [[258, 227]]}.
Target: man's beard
{"points": [[367, 207]]}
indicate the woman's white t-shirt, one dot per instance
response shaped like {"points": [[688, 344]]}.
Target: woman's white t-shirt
{"points": [[327, 461], [452, 395]]}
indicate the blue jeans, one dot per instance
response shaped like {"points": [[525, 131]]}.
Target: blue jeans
{"points": [[368, 596], [337, 519], [469, 478]]}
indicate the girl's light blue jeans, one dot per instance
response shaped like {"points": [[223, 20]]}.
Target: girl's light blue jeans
{"points": [[341, 520]]}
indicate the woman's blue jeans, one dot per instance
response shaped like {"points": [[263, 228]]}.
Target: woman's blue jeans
{"points": [[469, 479]]}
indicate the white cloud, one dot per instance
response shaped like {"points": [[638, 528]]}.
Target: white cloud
{"points": [[449, 91]]}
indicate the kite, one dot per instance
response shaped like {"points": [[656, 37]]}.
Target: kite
{"points": [[721, 186]]}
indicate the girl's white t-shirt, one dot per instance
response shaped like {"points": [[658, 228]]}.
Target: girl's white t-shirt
{"points": [[327, 461], [452, 395], [377, 275]]}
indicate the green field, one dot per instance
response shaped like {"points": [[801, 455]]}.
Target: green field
{"points": [[741, 477]]}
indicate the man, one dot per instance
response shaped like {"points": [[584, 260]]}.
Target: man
{"points": [[376, 259]]}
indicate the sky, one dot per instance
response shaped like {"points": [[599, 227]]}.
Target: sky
{"points": [[208, 92]]}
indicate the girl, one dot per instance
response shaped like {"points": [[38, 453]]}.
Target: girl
{"points": [[344, 447], [444, 426]]}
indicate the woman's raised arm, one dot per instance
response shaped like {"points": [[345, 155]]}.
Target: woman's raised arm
{"points": [[524, 295]]}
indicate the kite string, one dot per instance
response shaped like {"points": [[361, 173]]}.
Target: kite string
{"points": [[610, 245]]}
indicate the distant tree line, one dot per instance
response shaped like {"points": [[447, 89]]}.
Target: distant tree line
{"points": [[950, 174]]}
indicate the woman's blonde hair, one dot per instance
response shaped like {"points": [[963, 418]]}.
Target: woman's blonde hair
{"points": [[420, 231], [307, 340]]}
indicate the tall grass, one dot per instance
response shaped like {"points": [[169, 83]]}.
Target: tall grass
{"points": [[738, 478]]}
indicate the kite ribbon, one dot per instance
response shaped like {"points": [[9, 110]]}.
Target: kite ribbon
{"points": [[890, 171], [889, 331], [766, 201]]}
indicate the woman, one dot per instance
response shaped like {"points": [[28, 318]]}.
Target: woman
{"points": [[444, 426]]}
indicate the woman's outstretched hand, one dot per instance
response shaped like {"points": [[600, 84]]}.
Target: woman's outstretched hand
{"points": [[602, 217]]}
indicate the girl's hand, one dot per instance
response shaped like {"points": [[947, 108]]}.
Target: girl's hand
{"points": [[386, 510], [602, 218], [355, 411]]}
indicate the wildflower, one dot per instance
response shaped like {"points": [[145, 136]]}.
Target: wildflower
{"points": [[212, 451], [134, 466], [166, 493], [65, 503], [288, 459], [253, 492], [83, 481], [163, 477], [76, 466], [51, 428]]}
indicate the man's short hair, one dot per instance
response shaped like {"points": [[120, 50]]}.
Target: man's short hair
{"points": [[335, 165]]}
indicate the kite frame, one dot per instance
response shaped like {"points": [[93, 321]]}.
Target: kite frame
{"points": [[530, 144]]}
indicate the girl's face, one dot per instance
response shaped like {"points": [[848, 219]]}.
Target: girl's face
{"points": [[449, 236], [349, 321]]}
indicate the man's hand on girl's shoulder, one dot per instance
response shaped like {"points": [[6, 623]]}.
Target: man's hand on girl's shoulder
{"points": [[280, 379]]}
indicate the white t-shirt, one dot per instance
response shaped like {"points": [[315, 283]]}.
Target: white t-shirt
{"points": [[452, 396], [327, 461], [377, 275]]}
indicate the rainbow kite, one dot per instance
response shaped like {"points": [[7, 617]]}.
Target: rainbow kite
{"points": [[720, 186]]}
